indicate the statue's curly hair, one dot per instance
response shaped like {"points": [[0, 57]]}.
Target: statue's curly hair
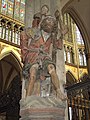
{"points": [[49, 24]]}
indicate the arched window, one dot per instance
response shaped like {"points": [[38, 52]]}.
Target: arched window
{"points": [[69, 57], [3, 30], [68, 21], [74, 40], [70, 79], [13, 14], [84, 58], [72, 56], [10, 31], [14, 9], [7, 33], [80, 57], [79, 38]]}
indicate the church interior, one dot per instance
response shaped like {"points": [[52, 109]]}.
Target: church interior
{"points": [[15, 16]]}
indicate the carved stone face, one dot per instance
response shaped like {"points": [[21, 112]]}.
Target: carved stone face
{"points": [[36, 22], [49, 24], [44, 10]]}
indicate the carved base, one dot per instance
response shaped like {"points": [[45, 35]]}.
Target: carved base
{"points": [[43, 114], [38, 108]]}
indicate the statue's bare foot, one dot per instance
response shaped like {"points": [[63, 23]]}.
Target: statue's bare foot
{"points": [[60, 95]]}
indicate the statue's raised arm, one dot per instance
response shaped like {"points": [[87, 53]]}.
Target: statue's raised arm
{"points": [[63, 27]]}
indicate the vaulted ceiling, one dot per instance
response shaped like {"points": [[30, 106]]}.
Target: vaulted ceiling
{"points": [[9, 68]]}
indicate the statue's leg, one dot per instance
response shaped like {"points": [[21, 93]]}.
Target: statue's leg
{"points": [[55, 81], [32, 79]]}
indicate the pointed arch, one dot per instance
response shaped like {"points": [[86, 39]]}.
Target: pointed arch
{"points": [[8, 50], [79, 22], [70, 79], [10, 67], [84, 77], [15, 55]]}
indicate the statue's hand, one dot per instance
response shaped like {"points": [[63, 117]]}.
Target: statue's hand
{"points": [[61, 95]]}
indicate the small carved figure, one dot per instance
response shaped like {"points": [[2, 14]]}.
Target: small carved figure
{"points": [[36, 52]]}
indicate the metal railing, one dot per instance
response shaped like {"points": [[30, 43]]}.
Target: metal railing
{"points": [[79, 100]]}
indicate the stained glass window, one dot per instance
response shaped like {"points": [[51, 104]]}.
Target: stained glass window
{"points": [[22, 9], [4, 7], [14, 9], [10, 7], [79, 37], [68, 22], [74, 35], [17, 9]]}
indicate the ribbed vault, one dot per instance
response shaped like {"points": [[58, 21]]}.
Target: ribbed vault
{"points": [[9, 68]]}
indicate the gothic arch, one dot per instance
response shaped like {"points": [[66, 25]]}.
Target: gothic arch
{"points": [[78, 20], [70, 79], [10, 67], [84, 77]]}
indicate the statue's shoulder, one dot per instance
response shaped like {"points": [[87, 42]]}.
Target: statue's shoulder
{"points": [[28, 31], [34, 33]]}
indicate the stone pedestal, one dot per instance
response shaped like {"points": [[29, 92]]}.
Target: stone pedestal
{"points": [[39, 108]]}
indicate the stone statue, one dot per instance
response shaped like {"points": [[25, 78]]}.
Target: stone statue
{"points": [[38, 48]]}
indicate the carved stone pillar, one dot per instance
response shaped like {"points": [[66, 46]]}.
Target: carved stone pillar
{"points": [[44, 108]]}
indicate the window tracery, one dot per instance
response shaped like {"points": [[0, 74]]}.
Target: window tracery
{"points": [[10, 31], [75, 43], [79, 38]]}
